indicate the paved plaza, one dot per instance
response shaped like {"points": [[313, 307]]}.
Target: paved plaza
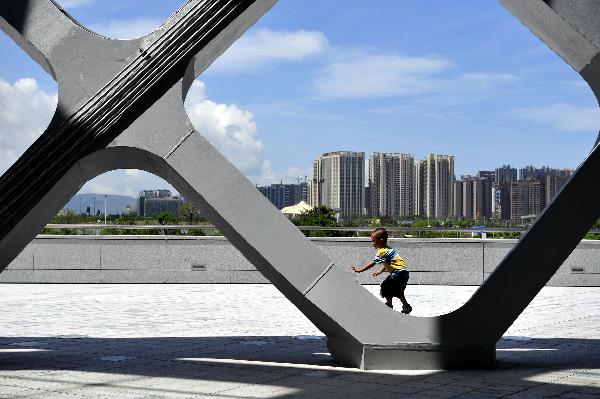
{"points": [[248, 341]]}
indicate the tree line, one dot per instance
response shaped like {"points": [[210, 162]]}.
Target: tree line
{"points": [[321, 216]]}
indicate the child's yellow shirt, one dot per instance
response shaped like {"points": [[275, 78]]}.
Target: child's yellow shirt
{"points": [[390, 259]]}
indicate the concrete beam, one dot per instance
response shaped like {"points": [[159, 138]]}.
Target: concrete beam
{"points": [[126, 111]]}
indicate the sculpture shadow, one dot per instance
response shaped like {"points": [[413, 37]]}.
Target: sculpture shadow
{"points": [[276, 362]]}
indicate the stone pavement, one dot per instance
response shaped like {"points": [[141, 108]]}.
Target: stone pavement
{"points": [[248, 341]]}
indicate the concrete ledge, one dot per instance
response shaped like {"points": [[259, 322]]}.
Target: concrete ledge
{"points": [[176, 259]]}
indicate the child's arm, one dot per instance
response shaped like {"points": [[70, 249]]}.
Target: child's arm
{"points": [[379, 272], [366, 266]]}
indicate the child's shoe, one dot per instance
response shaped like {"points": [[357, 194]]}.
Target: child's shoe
{"points": [[406, 309]]}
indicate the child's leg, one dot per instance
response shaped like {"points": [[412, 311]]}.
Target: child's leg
{"points": [[406, 308], [403, 299], [388, 302]]}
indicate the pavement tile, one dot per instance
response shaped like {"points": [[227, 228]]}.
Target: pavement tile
{"points": [[20, 392], [145, 341], [35, 383]]}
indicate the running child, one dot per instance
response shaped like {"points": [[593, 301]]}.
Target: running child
{"points": [[395, 284]]}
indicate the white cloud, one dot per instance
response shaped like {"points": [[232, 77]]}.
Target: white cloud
{"points": [[126, 28], [563, 116], [354, 74], [267, 46], [487, 78], [125, 182], [424, 112], [25, 112], [230, 129], [380, 75]]}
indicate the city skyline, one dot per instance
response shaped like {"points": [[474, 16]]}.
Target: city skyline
{"points": [[398, 185], [301, 83]]}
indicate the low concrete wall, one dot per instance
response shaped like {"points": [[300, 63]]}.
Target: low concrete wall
{"points": [[164, 259]]}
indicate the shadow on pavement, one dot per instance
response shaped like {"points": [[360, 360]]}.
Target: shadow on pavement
{"points": [[525, 367]]}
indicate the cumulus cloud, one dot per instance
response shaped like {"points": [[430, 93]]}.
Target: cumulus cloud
{"points": [[267, 46], [230, 129], [563, 116], [126, 28], [125, 182], [25, 112]]}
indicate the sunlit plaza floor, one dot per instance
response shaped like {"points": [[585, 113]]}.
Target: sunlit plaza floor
{"points": [[248, 341]]}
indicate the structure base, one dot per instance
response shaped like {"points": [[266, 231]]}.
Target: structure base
{"points": [[405, 356]]}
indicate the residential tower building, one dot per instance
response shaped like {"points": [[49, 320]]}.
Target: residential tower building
{"points": [[338, 182]]}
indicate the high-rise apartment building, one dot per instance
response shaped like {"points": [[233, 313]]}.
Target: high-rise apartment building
{"points": [[531, 172], [467, 196], [434, 185], [525, 199], [420, 187], [551, 180], [504, 176], [338, 182], [391, 185], [458, 198], [482, 195], [473, 196], [554, 181], [501, 201]]}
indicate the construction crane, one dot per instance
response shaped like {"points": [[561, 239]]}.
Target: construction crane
{"points": [[299, 179]]}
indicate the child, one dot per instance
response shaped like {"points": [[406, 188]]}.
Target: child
{"points": [[395, 283]]}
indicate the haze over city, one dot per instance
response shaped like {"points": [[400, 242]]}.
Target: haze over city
{"points": [[404, 77]]}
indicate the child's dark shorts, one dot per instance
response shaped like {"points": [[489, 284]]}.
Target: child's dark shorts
{"points": [[394, 284]]}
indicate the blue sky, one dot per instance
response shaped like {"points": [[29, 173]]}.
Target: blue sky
{"points": [[411, 76]]}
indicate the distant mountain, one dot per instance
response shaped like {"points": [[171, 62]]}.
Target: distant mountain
{"points": [[115, 204]]}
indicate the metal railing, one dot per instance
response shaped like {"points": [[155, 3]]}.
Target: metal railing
{"points": [[395, 231]]}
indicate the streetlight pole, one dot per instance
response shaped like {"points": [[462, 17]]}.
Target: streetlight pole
{"points": [[105, 200]]}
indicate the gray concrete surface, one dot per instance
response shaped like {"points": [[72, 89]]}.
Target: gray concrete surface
{"points": [[160, 259], [248, 341]]}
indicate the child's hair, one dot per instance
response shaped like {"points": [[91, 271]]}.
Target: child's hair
{"points": [[381, 234]]}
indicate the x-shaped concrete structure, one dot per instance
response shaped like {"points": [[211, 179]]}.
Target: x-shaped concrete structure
{"points": [[121, 107]]}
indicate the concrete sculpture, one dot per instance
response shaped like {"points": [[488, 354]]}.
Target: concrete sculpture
{"points": [[121, 106]]}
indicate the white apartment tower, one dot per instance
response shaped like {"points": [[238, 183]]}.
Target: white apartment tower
{"points": [[338, 182], [434, 186], [391, 185], [420, 188]]}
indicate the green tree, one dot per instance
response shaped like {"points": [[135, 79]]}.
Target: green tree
{"points": [[65, 216], [188, 213], [166, 218], [318, 216], [422, 223]]}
